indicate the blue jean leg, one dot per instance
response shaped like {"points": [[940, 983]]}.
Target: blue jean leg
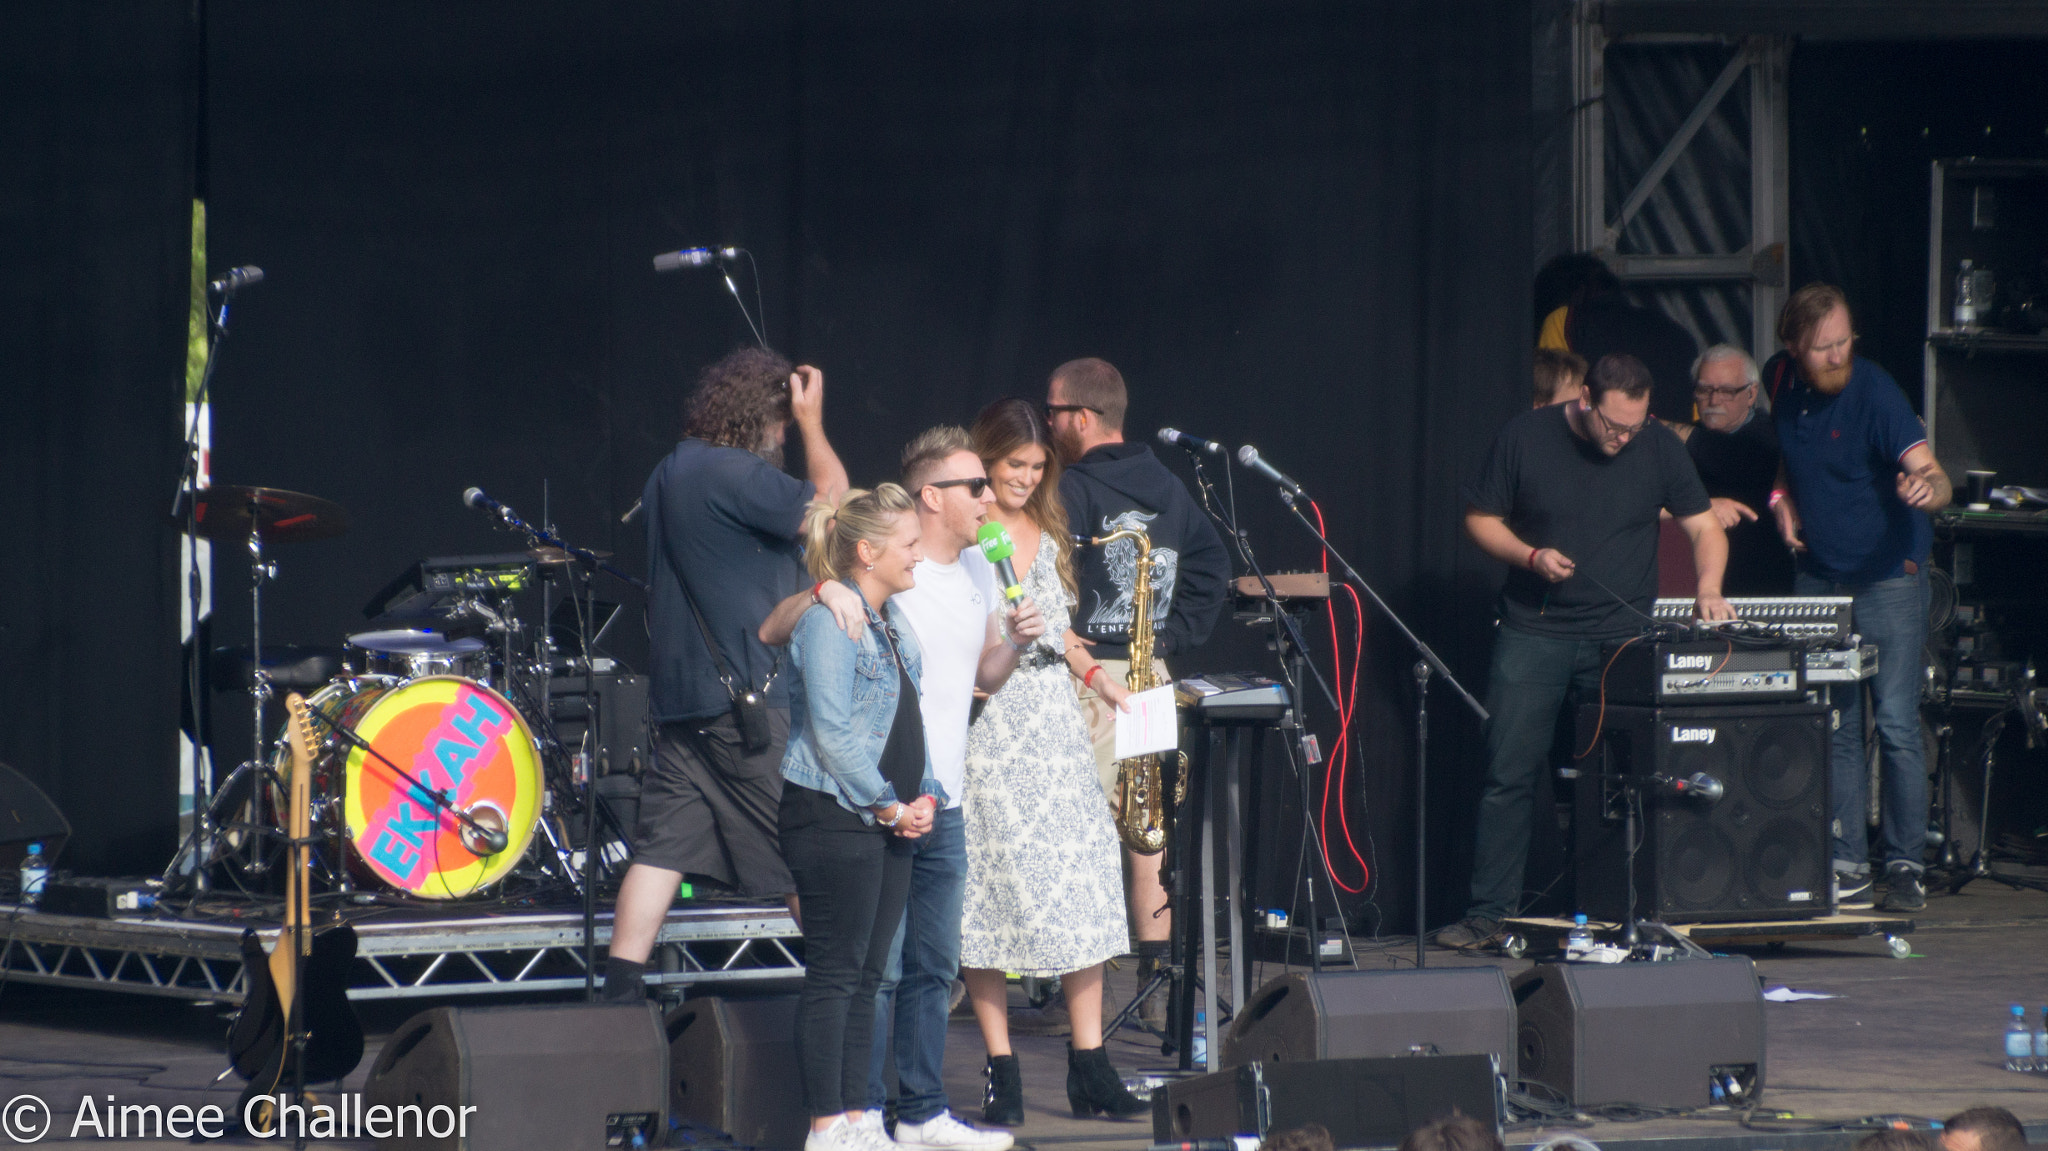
{"points": [[918, 984], [1893, 615], [1530, 679]]}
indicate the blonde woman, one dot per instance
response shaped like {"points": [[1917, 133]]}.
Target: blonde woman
{"points": [[858, 788]]}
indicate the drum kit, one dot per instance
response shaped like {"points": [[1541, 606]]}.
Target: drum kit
{"points": [[430, 780]]}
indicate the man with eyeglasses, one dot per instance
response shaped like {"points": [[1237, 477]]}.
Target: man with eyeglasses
{"points": [[1854, 492], [1109, 484], [1569, 497], [1735, 447]]}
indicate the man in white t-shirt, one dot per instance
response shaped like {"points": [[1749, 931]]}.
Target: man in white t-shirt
{"points": [[965, 646]]}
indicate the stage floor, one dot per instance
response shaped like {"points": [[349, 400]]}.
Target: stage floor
{"points": [[1915, 1036]]}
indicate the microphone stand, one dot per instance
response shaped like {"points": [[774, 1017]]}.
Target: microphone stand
{"points": [[1287, 631], [542, 537], [199, 845], [1425, 666], [493, 839]]}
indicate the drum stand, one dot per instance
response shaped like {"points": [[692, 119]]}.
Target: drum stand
{"points": [[201, 850]]}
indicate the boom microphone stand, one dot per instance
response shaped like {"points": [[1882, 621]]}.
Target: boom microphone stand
{"points": [[1425, 666]]}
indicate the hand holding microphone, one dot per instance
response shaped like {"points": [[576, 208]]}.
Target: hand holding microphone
{"points": [[997, 547]]}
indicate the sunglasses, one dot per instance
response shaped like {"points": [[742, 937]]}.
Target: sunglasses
{"points": [[975, 485], [1055, 409]]}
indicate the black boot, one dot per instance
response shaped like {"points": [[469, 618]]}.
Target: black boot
{"points": [[1094, 1087], [624, 981], [1004, 1104]]}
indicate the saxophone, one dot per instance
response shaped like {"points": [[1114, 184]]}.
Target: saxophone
{"points": [[1143, 810]]}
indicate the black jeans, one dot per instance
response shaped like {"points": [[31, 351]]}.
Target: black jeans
{"points": [[852, 880]]}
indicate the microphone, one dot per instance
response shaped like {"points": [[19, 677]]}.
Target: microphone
{"points": [[476, 498], [1249, 457], [997, 547], [236, 278], [1191, 443], [1699, 785], [692, 258]]}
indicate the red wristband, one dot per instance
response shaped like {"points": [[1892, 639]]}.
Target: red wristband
{"points": [[1089, 675], [1532, 558], [1777, 496], [815, 589]]}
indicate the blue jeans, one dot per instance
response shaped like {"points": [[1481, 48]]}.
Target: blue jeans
{"points": [[1893, 615], [1531, 678], [918, 982]]}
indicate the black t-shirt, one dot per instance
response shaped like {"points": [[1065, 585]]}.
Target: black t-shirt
{"points": [[1556, 490], [902, 762], [1743, 465], [726, 520]]}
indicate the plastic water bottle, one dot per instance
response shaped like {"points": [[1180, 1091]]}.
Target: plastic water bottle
{"points": [[1974, 289], [2041, 1044], [1580, 941], [1201, 1040], [2019, 1042], [35, 872]]}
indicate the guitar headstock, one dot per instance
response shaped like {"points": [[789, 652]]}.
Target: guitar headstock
{"points": [[299, 729]]}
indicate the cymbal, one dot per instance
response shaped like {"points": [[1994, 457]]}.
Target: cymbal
{"points": [[558, 556], [228, 512]]}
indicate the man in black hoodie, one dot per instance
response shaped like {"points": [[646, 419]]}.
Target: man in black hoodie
{"points": [[1108, 484]]}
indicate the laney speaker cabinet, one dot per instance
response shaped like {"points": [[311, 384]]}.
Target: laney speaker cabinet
{"points": [[1363, 1102], [567, 1077], [1650, 1034], [1760, 852], [732, 1064], [1343, 1014]]}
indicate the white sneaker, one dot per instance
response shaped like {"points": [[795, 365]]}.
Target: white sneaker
{"points": [[942, 1132], [840, 1136]]}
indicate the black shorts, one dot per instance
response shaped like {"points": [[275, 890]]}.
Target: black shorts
{"points": [[708, 809]]}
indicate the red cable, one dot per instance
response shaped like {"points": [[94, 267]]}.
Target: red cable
{"points": [[1336, 768]]}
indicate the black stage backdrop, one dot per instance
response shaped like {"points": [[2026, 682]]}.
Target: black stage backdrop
{"points": [[95, 138], [1300, 225]]}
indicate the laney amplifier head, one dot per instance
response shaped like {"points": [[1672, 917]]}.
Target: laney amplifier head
{"points": [[1706, 671]]}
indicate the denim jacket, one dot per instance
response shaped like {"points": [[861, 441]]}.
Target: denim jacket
{"points": [[842, 702]]}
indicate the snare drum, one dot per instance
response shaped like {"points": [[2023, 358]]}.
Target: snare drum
{"points": [[453, 735], [414, 653]]}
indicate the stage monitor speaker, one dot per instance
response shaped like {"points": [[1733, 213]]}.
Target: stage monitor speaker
{"points": [[1363, 1102], [27, 816], [1683, 1033], [556, 1077], [1760, 852], [1346, 1014], [732, 1066]]}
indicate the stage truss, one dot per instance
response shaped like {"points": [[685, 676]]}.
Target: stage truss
{"points": [[481, 955]]}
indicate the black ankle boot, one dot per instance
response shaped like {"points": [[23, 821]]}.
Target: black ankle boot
{"points": [[1094, 1087], [1004, 1103]]}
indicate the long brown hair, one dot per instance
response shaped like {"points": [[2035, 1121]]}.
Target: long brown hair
{"points": [[1002, 428]]}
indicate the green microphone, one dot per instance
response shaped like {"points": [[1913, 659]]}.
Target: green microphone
{"points": [[997, 547]]}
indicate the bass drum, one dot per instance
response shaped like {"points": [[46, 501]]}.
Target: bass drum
{"points": [[453, 735]]}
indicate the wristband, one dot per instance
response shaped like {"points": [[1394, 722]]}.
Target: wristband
{"points": [[1532, 558], [895, 821], [1090, 675], [1777, 496], [815, 589]]}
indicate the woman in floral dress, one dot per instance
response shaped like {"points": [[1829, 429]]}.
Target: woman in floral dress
{"points": [[1044, 866]]}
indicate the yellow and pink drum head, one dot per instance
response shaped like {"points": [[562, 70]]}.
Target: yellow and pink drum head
{"points": [[464, 741]]}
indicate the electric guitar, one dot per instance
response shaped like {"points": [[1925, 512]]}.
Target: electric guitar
{"points": [[301, 986]]}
